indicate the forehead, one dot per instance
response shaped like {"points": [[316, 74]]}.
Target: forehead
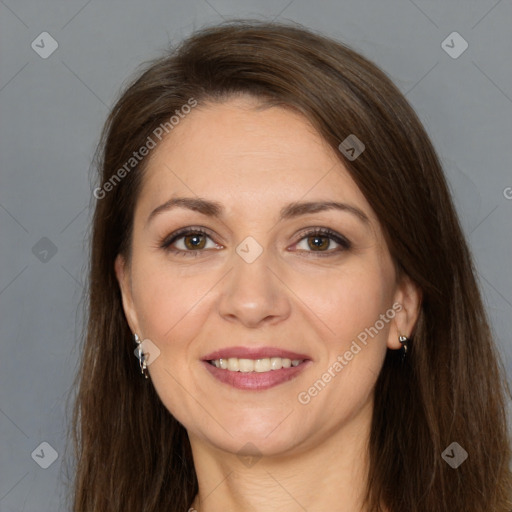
{"points": [[239, 151]]}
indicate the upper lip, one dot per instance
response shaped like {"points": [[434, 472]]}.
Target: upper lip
{"points": [[253, 353]]}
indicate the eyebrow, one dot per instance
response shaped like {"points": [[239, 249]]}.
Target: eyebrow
{"points": [[292, 210]]}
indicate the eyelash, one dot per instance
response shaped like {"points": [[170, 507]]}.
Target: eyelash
{"points": [[323, 232]]}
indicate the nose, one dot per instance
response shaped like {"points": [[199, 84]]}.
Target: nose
{"points": [[253, 295]]}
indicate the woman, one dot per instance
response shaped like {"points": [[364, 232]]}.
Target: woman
{"points": [[274, 239]]}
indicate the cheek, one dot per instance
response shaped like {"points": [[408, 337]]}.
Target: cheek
{"points": [[173, 309], [351, 306], [350, 300], [172, 312], [355, 305], [168, 303]]}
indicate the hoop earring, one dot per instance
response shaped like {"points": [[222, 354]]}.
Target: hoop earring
{"points": [[403, 341], [141, 357]]}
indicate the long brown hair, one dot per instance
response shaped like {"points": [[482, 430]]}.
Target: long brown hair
{"points": [[131, 454]]}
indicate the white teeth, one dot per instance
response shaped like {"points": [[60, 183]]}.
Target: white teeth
{"points": [[246, 365], [262, 365], [234, 364], [276, 363]]}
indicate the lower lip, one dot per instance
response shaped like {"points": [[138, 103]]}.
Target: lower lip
{"points": [[255, 381]]}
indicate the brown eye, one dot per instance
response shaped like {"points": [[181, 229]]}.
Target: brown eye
{"points": [[195, 241], [323, 242], [189, 242], [317, 242]]}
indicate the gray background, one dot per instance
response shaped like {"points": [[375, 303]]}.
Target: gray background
{"points": [[52, 111]]}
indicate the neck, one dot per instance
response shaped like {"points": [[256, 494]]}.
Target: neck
{"points": [[326, 475]]}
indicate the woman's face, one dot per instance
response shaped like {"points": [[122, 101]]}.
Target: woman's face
{"points": [[274, 276]]}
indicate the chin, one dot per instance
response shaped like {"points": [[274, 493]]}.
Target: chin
{"points": [[255, 437]]}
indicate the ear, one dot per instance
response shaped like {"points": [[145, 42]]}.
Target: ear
{"points": [[123, 275], [407, 304]]}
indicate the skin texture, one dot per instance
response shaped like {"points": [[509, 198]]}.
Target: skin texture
{"points": [[254, 161]]}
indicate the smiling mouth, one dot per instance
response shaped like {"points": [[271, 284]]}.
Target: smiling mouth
{"points": [[266, 364]]}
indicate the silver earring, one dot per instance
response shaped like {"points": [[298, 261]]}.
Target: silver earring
{"points": [[141, 357], [403, 340]]}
